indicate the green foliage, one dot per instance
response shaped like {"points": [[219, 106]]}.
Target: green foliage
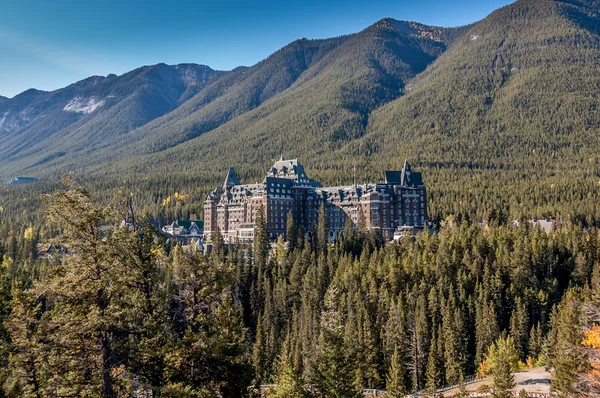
{"points": [[565, 353], [334, 373], [408, 315], [395, 379], [289, 383], [113, 305], [503, 359]]}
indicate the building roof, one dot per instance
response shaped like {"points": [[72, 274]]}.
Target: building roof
{"points": [[408, 178], [393, 177], [188, 223], [231, 179], [291, 169], [291, 172]]}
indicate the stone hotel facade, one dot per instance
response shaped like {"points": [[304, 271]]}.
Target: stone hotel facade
{"points": [[400, 201]]}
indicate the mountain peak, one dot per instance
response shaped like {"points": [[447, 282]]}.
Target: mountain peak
{"points": [[30, 93], [418, 30]]}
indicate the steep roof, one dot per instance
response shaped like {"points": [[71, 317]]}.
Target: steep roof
{"points": [[393, 177], [231, 179], [188, 223], [408, 178], [291, 168]]}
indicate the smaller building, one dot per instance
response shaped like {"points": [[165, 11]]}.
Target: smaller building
{"points": [[185, 230], [245, 233]]}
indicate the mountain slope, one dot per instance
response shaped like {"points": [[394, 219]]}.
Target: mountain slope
{"points": [[341, 80], [326, 107], [524, 79], [38, 126]]}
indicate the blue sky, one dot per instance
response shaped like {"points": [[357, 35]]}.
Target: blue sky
{"points": [[49, 44]]}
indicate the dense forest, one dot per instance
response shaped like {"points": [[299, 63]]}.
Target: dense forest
{"points": [[114, 310]]}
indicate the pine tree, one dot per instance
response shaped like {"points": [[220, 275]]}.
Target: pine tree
{"points": [[502, 359], [208, 352], [322, 232], [218, 247], [334, 371], [434, 374], [366, 351], [30, 370], [486, 329], [395, 379], [417, 340], [85, 296], [454, 352], [259, 351], [262, 241], [288, 383], [291, 234], [566, 354], [535, 342], [519, 328]]}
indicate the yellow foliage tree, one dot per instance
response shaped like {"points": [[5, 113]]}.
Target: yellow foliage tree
{"points": [[29, 234], [591, 378]]}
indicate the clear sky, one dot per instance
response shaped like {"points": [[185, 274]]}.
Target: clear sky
{"points": [[48, 44]]}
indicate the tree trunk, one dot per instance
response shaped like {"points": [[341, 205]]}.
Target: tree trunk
{"points": [[107, 390]]}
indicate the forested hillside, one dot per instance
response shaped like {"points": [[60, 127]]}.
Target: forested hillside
{"points": [[500, 116], [502, 122], [162, 106], [39, 129]]}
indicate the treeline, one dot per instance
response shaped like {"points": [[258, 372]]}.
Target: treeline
{"points": [[119, 311]]}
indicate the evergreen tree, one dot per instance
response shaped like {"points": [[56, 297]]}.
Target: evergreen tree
{"points": [[291, 234], [218, 247], [395, 379], [288, 383], [334, 371], [322, 231], [262, 241], [535, 342], [519, 328], [435, 369], [566, 355], [84, 298], [486, 329], [502, 359]]}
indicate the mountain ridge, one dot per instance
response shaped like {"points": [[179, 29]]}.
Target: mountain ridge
{"points": [[228, 95]]}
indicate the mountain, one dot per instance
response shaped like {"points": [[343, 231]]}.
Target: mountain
{"points": [[521, 84], [521, 80], [511, 99], [37, 126], [342, 79]]}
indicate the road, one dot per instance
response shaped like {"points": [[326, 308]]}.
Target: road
{"points": [[530, 380]]}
